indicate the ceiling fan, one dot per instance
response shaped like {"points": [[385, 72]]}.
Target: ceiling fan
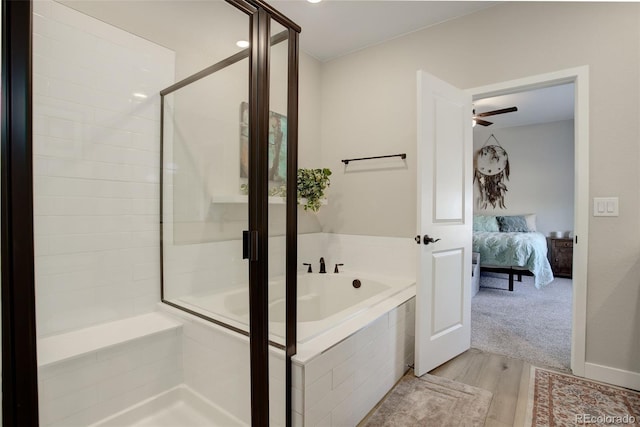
{"points": [[481, 122]]}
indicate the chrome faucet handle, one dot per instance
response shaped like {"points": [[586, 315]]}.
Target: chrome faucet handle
{"points": [[309, 269], [335, 270]]}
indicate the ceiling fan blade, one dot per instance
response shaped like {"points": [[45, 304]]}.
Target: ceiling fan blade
{"points": [[482, 122], [494, 112]]}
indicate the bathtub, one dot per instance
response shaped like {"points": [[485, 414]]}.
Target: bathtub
{"points": [[354, 344], [324, 302]]}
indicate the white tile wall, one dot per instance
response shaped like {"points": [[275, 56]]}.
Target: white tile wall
{"points": [[96, 156], [345, 382], [216, 365], [214, 267], [387, 256], [84, 389]]}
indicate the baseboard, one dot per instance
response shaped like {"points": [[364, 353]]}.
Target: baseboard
{"points": [[613, 376]]}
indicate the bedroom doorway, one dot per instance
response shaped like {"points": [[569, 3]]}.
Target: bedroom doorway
{"points": [[547, 189]]}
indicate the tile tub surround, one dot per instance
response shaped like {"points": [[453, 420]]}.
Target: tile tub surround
{"points": [[96, 181], [343, 383], [386, 256], [216, 266]]}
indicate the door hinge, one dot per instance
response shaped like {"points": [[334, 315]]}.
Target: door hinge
{"points": [[250, 245]]}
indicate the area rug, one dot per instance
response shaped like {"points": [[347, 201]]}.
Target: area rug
{"points": [[431, 401], [557, 399], [528, 323]]}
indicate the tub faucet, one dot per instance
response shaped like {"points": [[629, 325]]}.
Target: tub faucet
{"points": [[322, 267]]}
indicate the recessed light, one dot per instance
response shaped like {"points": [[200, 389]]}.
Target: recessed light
{"points": [[140, 95], [314, 1], [242, 43]]}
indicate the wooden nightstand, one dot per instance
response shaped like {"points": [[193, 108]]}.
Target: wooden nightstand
{"points": [[561, 256]]}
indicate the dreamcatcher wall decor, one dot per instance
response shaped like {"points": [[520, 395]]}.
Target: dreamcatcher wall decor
{"points": [[492, 169]]}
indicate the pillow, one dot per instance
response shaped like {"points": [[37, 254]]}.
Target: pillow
{"points": [[512, 223], [485, 223], [531, 222]]}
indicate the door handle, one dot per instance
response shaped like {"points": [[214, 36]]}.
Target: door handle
{"points": [[426, 239]]}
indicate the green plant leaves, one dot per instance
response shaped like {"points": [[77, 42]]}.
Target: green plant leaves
{"points": [[311, 186]]}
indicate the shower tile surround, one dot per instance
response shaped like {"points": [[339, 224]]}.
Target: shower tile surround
{"points": [[96, 156], [96, 196]]}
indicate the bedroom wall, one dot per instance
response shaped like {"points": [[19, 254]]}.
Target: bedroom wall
{"points": [[541, 172], [369, 100]]}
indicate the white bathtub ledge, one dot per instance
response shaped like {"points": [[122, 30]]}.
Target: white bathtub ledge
{"points": [[62, 347], [324, 342]]}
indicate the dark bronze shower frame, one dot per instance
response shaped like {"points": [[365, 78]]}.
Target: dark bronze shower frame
{"points": [[19, 339], [260, 15]]}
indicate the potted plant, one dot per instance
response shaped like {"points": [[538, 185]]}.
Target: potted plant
{"points": [[311, 186]]}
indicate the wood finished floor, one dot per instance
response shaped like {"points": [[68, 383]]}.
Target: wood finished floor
{"points": [[505, 377]]}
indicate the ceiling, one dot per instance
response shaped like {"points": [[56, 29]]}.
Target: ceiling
{"points": [[333, 28], [549, 104]]}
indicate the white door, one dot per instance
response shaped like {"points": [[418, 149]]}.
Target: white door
{"points": [[443, 296]]}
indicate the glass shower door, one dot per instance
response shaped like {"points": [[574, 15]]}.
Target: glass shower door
{"points": [[204, 210], [226, 169], [205, 194]]}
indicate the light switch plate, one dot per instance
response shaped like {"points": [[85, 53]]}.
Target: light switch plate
{"points": [[605, 206]]}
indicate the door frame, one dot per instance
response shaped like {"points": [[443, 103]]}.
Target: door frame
{"points": [[579, 76]]}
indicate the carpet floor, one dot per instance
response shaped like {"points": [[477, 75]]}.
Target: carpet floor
{"points": [[431, 401], [528, 323], [557, 399]]}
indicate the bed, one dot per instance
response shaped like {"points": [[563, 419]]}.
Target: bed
{"points": [[510, 246]]}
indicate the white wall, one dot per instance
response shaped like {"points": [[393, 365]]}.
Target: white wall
{"points": [[369, 107], [96, 156], [541, 172]]}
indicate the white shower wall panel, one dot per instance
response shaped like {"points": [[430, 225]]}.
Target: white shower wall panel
{"points": [[96, 125]]}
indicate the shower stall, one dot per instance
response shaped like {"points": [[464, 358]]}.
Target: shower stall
{"points": [[149, 211]]}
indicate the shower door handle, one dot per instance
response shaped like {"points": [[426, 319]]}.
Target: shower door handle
{"points": [[250, 245]]}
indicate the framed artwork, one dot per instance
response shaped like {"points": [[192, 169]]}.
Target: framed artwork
{"points": [[277, 144]]}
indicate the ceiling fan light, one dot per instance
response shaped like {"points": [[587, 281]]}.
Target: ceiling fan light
{"points": [[473, 123]]}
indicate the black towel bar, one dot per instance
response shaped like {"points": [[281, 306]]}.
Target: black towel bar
{"points": [[402, 156]]}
